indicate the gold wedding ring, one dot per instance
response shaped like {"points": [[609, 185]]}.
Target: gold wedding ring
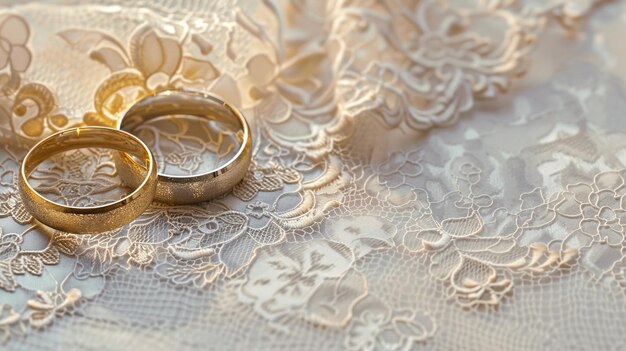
{"points": [[175, 189], [90, 219], [135, 164]]}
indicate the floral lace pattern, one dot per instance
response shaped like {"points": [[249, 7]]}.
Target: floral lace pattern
{"points": [[397, 199]]}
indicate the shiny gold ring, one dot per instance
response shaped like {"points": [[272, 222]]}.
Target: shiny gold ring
{"points": [[175, 189], [92, 219]]}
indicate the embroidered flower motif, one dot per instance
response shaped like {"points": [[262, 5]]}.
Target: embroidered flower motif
{"points": [[395, 177], [569, 13], [16, 261], [400, 166], [283, 280], [586, 215], [307, 190], [601, 207], [135, 244], [466, 259], [40, 310], [287, 83], [9, 249], [47, 305], [199, 267], [214, 245], [11, 323], [361, 234], [10, 202], [376, 327], [258, 209], [30, 108], [437, 58], [153, 61], [266, 178], [14, 34], [284, 85]]}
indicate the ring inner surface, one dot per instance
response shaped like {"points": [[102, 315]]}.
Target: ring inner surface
{"points": [[189, 134], [87, 138]]}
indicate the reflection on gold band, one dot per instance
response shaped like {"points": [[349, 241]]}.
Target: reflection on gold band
{"points": [[174, 189], [92, 219]]}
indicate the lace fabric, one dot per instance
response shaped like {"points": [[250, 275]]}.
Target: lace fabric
{"points": [[426, 175]]}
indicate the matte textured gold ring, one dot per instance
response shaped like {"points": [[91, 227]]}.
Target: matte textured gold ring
{"points": [[92, 219], [175, 189]]}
